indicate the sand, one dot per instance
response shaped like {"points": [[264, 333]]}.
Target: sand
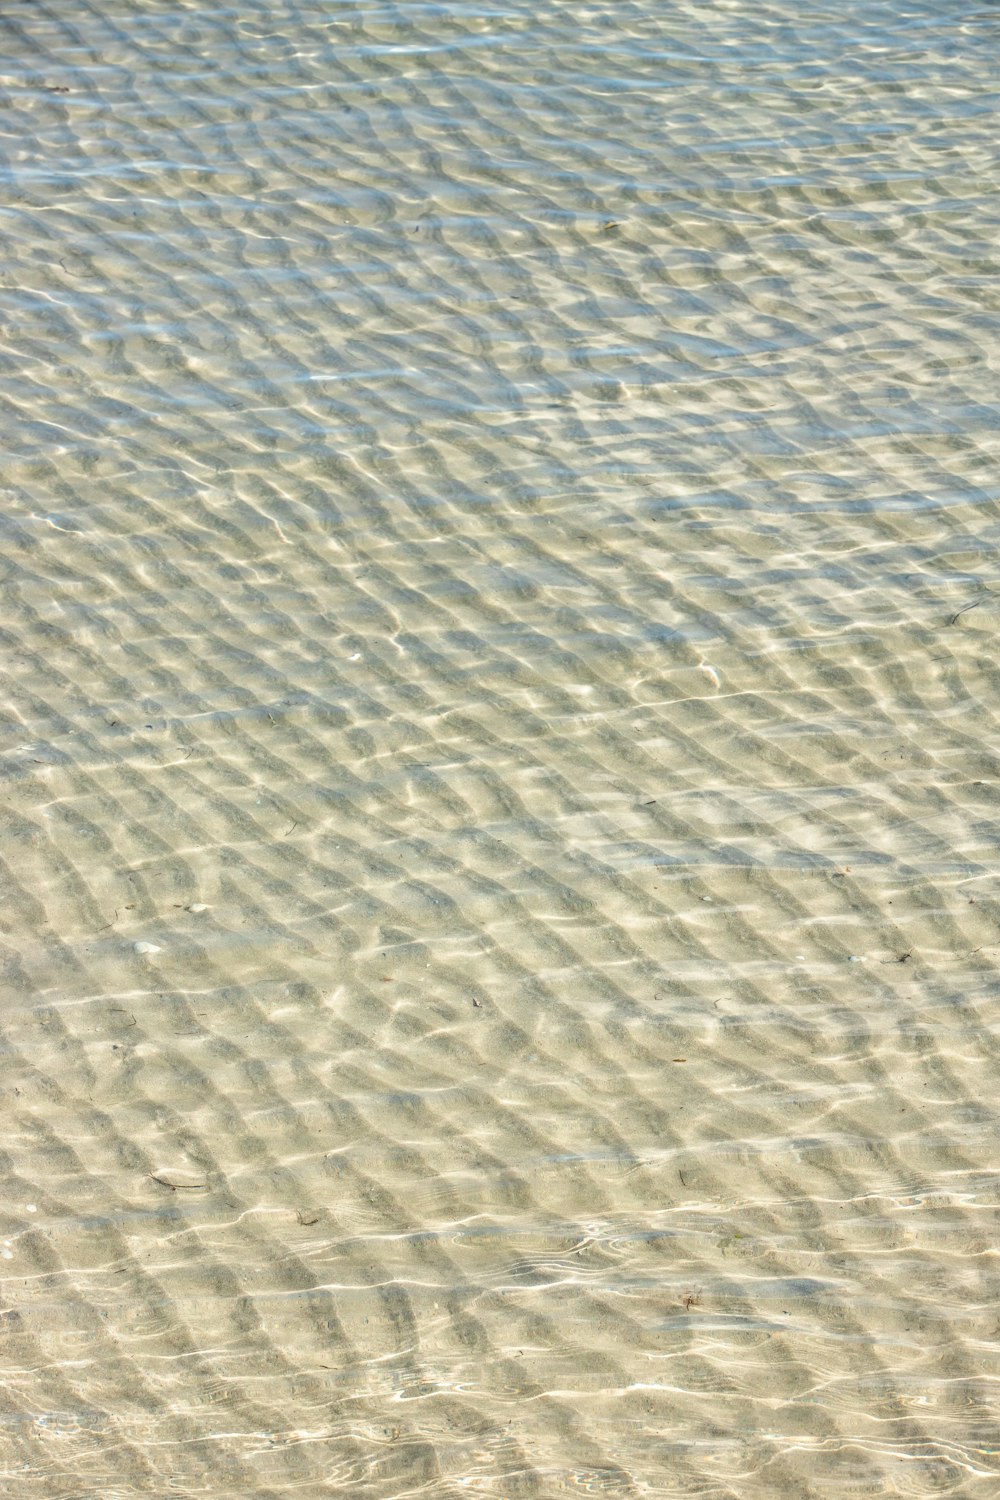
{"points": [[499, 698]]}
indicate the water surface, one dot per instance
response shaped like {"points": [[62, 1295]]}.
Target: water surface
{"points": [[499, 746]]}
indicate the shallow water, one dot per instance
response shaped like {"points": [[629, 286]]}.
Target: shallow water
{"points": [[500, 908]]}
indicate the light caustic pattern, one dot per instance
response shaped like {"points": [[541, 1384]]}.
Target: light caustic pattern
{"points": [[499, 748]]}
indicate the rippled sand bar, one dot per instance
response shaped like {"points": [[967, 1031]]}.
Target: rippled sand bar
{"points": [[498, 532]]}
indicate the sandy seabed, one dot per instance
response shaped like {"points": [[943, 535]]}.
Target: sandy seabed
{"points": [[499, 919]]}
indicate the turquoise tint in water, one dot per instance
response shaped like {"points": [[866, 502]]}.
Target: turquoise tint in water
{"points": [[499, 926]]}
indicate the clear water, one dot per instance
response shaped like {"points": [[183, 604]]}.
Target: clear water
{"points": [[499, 744]]}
